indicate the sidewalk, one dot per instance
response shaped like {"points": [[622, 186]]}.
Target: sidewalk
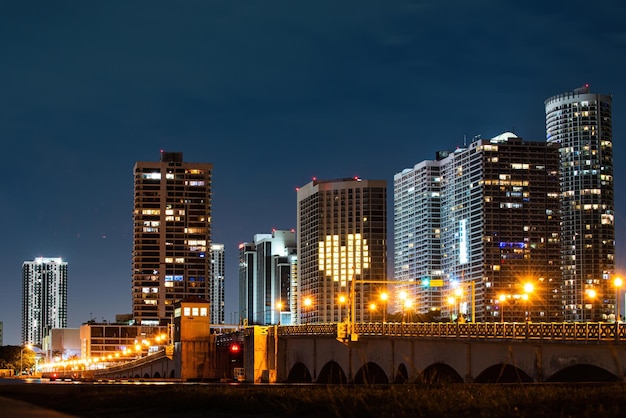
{"points": [[12, 408]]}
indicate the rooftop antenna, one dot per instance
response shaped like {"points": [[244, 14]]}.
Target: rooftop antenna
{"points": [[464, 141]]}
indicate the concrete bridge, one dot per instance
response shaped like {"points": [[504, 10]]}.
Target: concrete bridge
{"points": [[436, 352]]}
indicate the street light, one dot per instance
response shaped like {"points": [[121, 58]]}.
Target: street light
{"points": [[342, 300], [618, 282], [403, 295], [528, 288], [591, 293], [29, 347], [279, 308], [307, 304], [372, 310], [502, 300], [384, 296]]}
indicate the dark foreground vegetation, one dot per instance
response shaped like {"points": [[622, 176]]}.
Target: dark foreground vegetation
{"points": [[455, 400]]}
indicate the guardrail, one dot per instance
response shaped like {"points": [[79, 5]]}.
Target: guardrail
{"points": [[592, 332]]}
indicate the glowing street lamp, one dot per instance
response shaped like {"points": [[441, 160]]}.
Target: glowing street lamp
{"points": [[618, 282], [26, 347], [502, 299], [403, 298], [342, 301], [279, 309], [528, 288], [591, 294], [383, 297], [372, 308], [307, 305]]}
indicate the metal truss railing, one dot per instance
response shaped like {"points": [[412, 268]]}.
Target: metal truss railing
{"points": [[592, 332]]}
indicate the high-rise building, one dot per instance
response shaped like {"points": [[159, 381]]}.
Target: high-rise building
{"points": [[267, 277], [172, 236], [342, 240], [216, 300], [417, 237], [44, 298], [218, 266], [478, 224], [580, 123]]}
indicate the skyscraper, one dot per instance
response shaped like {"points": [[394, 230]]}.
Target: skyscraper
{"points": [[172, 236], [44, 298], [477, 224], [218, 267], [341, 236], [267, 272], [580, 123]]}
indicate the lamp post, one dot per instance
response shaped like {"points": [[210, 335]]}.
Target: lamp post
{"points": [[528, 288], [342, 301], [403, 295], [27, 346], [618, 282], [372, 310], [307, 304], [383, 297], [502, 300], [591, 293], [279, 309]]}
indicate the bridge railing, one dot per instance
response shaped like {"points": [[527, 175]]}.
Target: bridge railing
{"points": [[544, 331]]}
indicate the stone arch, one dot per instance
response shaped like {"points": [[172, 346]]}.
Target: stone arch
{"points": [[299, 374], [137, 376], [332, 373], [157, 375], [146, 376], [172, 374], [503, 373], [402, 374], [440, 373], [583, 373], [371, 373]]}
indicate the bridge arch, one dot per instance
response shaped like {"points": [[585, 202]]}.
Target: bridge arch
{"points": [[299, 374], [156, 375], [440, 373], [332, 373], [371, 373], [503, 373], [582, 373], [402, 374], [146, 376]]}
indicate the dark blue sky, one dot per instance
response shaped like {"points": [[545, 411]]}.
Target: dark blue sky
{"points": [[272, 93]]}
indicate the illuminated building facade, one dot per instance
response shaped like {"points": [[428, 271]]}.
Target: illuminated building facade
{"points": [[44, 298], [172, 236], [497, 203], [267, 278], [417, 236], [218, 267], [342, 233], [580, 122]]}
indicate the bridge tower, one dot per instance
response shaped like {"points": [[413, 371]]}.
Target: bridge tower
{"points": [[194, 350]]}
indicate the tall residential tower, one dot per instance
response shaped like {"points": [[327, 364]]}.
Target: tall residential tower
{"points": [[580, 123], [172, 236], [44, 298], [218, 268], [342, 240], [476, 225]]}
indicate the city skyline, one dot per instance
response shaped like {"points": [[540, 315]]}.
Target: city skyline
{"points": [[272, 95]]}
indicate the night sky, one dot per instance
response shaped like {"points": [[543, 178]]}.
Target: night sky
{"points": [[272, 93]]}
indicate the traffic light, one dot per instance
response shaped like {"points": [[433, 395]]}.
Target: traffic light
{"points": [[235, 352]]}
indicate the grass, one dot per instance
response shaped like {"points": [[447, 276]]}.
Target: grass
{"points": [[461, 400]]}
